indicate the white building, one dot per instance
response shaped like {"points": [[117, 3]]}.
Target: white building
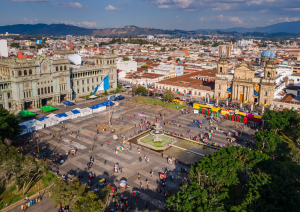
{"points": [[127, 66], [3, 48], [150, 37]]}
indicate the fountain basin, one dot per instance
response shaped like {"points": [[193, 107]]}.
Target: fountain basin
{"points": [[147, 141]]}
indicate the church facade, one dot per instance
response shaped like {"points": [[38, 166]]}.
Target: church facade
{"points": [[244, 86]]}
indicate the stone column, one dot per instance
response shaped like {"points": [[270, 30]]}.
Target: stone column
{"points": [[237, 93], [232, 92], [244, 93]]}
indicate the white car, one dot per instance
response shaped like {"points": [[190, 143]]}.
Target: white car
{"points": [[253, 112], [160, 97]]}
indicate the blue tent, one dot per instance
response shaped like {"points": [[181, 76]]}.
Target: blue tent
{"points": [[23, 127], [94, 107], [75, 111], [108, 103], [61, 115], [68, 103], [43, 118]]}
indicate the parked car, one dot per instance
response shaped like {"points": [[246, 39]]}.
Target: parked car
{"points": [[120, 97], [254, 112]]}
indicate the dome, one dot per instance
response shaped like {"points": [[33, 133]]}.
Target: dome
{"points": [[271, 57], [223, 54], [289, 59], [268, 53]]}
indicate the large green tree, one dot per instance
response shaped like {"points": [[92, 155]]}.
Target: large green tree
{"points": [[141, 89], [168, 96], [9, 125], [90, 201]]}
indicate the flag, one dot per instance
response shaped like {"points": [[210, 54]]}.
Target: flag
{"points": [[103, 85], [38, 41]]}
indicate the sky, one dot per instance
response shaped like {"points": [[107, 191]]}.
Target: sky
{"points": [[163, 14]]}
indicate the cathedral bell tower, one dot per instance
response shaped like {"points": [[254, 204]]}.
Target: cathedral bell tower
{"points": [[222, 65], [270, 69]]}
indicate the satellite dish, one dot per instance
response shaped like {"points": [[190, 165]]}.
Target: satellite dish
{"points": [[75, 58]]}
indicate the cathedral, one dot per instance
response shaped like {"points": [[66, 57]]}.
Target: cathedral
{"points": [[244, 86]]}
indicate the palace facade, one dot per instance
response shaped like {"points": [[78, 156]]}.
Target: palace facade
{"points": [[49, 80], [244, 85]]}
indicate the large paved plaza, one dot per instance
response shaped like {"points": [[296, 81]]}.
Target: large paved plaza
{"points": [[125, 121]]}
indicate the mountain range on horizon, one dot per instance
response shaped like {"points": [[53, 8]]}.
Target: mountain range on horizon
{"points": [[63, 29]]}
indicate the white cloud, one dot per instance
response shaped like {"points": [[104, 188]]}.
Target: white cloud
{"points": [[283, 19], [222, 18], [70, 5], [292, 8], [89, 24], [110, 7], [26, 21], [164, 6], [31, 0]]}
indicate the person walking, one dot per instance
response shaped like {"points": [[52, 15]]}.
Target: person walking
{"points": [[151, 173], [139, 176]]}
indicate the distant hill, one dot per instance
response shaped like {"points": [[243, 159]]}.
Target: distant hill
{"points": [[63, 29], [286, 27]]}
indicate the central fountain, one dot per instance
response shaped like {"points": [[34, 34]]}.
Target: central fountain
{"points": [[156, 139]]}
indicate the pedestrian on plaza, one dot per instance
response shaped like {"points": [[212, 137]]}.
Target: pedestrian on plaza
{"points": [[141, 186], [139, 176], [151, 172], [162, 154]]}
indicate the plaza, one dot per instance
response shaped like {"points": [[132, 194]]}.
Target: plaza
{"points": [[126, 123]]}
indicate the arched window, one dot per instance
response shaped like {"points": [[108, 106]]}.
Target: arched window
{"points": [[20, 73], [88, 88], [48, 89], [65, 68], [30, 71], [195, 92], [57, 68], [269, 74], [199, 93], [25, 72], [39, 92], [61, 68], [221, 68], [45, 90]]}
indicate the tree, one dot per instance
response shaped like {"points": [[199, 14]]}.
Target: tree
{"points": [[126, 59], [95, 45], [295, 154], [141, 89], [267, 141], [9, 125], [88, 202], [178, 59], [91, 94], [168, 96], [105, 92], [117, 90], [63, 192], [216, 44], [144, 66], [169, 58], [16, 45]]}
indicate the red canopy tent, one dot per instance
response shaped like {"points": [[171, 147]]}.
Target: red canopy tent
{"points": [[245, 120], [226, 116], [232, 117], [238, 118]]}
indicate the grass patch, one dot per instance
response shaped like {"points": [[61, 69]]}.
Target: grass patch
{"points": [[157, 102], [48, 179], [11, 199], [165, 140]]}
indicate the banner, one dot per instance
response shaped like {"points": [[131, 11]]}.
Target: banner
{"points": [[103, 85], [256, 90]]}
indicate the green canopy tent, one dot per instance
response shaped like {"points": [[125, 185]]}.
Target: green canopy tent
{"points": [[205, 112], [26, 113], [47, 108], [242, 119], [210, 113]]}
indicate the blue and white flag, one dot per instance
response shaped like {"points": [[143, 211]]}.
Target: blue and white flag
{"points": [[38, 41], [103, 85]]}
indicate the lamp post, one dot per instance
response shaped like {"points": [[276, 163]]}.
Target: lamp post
{"points": [[199, 175]]}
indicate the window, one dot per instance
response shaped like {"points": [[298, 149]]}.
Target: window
{"points": [[30, 71], [97, 79], [220, 87], [82, 90], [77, 90], [88, 81], [88, 88], [195, 92], [93, 87], [184, 91], [9, 104], [297, 80], [64, 87], [269, 74], [48, 89], [266, 93], [83, 82], [39, 92], [265, 102], [61, 68], [65, 68], [45, 90], [173, 89], [20, 73], [199, 94], [219, 94], [51, 89], [77, 82], [221, 69], [92, 80], [57, 68], [42, 91]]}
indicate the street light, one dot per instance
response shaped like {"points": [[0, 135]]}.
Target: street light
{"points": [[199, 175]]}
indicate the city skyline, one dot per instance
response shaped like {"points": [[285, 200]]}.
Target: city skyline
{"points": [[164, 14]]}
